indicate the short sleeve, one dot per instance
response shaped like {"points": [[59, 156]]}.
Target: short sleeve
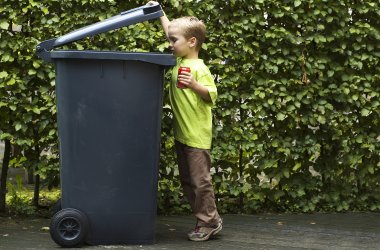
{"points": [[207, 80]]}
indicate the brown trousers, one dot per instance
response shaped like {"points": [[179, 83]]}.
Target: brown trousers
{"points": [[194, 169]]}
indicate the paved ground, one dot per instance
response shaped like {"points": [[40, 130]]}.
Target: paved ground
{"points": [[263, 231]]}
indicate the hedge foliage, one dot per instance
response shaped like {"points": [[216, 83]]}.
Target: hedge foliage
{"points": [[297, 119]]}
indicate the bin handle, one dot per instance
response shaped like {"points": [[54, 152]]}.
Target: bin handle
{"points": [[126, 18], [148, 9]]}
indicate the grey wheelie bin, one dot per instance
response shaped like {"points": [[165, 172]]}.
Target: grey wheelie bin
{"points": [[109, 121]]}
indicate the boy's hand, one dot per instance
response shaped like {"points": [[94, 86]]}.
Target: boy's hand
{"points": [[188, 80], [152, 3]]}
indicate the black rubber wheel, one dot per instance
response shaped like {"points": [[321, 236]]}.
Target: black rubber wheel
{"points": [[69, 227]]}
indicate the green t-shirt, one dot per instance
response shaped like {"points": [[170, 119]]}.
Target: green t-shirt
{"points": [[192, 114]]}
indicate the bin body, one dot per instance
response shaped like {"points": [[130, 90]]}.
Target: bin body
{"points": [[109, 123]]}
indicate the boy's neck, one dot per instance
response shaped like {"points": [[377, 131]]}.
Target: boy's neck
{"points": [[192, 55]]}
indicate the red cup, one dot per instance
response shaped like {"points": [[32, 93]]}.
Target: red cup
{"points": [[180, 85]]}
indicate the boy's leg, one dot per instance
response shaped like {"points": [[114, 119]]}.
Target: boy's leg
{"points": [[184, 174], [194, 166]]}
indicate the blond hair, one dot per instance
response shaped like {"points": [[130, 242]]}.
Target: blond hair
{"points": [[191, 27]]}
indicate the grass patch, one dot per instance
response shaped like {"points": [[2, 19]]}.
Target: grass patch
{"points": [[19, 199]]}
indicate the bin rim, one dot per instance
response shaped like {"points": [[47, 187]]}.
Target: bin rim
{"points": [[150, 57]]}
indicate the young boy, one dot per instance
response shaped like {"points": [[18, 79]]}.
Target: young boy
{"points": [[191, 106]]}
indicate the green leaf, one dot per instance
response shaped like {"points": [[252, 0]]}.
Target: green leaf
{"points": [[297, 3], [45, 10], [4, 24], [359, 139], [246, 187], [36, 110], [36, 64], [280, 116], [301, 192], [321, 119], [297, 166], [18, 126], [286, 173], [371, 170], [4, 136], [365, 112], [244, 106], [11, 82], [3, 74]]}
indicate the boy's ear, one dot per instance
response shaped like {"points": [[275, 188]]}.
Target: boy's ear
{"points": [[193, 42]]}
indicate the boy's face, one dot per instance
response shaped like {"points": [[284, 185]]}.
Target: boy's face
{"points": [[179, 45]]}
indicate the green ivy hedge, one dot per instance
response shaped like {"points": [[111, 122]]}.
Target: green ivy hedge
{"points": [[297, 118]]}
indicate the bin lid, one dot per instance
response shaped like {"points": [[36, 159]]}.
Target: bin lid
{"points": [[140, 14], [150, 57]]}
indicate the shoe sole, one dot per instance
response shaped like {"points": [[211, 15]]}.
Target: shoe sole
{"points": [[218, 229]]}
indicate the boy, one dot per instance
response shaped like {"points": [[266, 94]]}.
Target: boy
{"points": [[191, 106]]}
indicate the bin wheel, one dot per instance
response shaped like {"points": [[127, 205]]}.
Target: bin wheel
{"points": [[69, 227]]}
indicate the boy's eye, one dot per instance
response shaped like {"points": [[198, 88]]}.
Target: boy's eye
{"points": [[173, 39]]}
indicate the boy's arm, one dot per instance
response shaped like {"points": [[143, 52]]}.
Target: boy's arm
{"points": [[202, 91], [164, 19], [165, 24], [188, 80]]}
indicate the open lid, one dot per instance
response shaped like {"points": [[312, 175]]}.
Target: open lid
{"points": [[140, 14]]}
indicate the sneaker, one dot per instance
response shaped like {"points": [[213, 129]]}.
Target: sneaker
{"points": [[204, 233], [220, 226]]}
